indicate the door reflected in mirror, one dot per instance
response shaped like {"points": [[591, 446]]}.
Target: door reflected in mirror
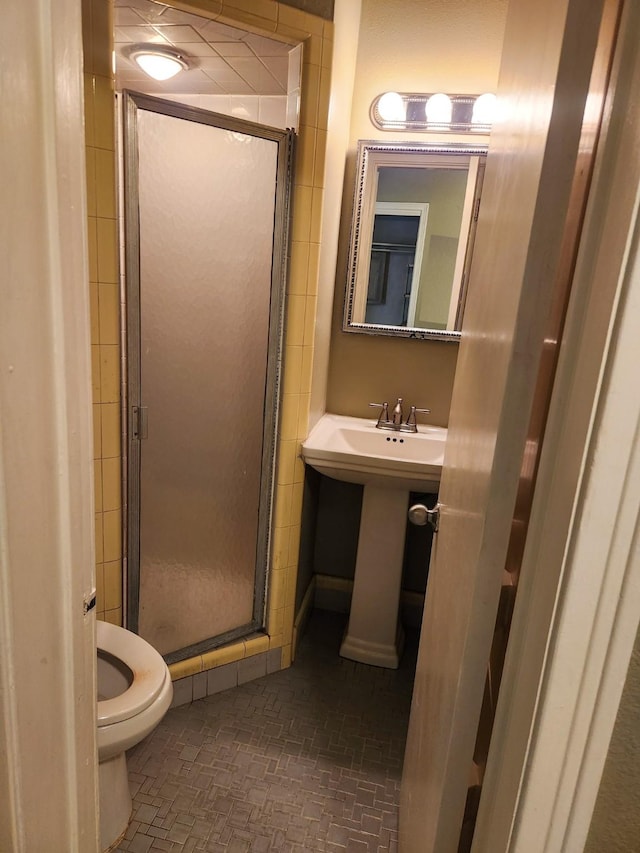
{"points": [[412, 235]]}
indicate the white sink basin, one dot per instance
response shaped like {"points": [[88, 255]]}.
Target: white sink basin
{"points": [[353, 450]]}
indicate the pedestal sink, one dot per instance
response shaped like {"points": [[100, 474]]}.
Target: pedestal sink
{"points": [[389, 465]]}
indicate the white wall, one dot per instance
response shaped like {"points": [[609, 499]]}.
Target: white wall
{"points": [[615, 826]]}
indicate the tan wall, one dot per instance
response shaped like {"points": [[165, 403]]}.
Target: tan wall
{"points": [[615, 825], [423, 46]]}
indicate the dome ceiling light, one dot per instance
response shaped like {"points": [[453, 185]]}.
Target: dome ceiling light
{"points": [[159, 61]]}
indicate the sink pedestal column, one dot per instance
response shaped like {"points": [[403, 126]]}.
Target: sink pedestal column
{"points": [[374, 634]]}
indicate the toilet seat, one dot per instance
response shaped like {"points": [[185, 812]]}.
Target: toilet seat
{"points": [[126, 719], [148, 668]]}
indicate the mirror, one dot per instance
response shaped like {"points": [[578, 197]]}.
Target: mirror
{"points": [[415, 210]]}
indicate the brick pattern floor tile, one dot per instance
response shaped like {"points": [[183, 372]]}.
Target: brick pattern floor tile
{"points": [[306, 760]]}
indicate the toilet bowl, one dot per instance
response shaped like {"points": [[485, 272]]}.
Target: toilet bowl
{"points": [[134, 693]]}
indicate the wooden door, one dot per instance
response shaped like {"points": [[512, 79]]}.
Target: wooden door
{"points": [[520, 256]]}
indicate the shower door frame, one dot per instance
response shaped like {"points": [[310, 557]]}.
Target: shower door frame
{"points": [[131, 373]]}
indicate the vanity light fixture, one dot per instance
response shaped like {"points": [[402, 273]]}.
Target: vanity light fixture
{"points": [[158, 60], [436, 113]]}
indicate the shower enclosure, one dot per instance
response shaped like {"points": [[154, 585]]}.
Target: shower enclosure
{"points": [[206, 199]]}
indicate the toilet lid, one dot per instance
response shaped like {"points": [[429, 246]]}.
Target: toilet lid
{"points": [[147, 665]]}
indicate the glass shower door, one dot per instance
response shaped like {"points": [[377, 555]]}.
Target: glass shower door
{"points": [[207, 197]]}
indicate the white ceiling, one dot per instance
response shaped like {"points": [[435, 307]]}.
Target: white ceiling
{"points": [[224, 60]]}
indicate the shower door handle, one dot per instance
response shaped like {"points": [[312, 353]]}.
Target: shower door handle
{"points": [[139, 424]]}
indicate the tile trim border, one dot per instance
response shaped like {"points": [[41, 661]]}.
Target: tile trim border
{"points": [[226, 676]]}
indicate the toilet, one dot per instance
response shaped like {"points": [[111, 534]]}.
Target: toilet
{"points": [[134, 693]]}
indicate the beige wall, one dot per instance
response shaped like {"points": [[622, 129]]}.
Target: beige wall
{"points": [[615, 825], [408, 45]]}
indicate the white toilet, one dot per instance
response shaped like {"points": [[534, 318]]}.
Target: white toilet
{"points": [[134, 693]]}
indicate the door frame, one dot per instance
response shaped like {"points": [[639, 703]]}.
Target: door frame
{"points": [[409, 209], [48, 725]]}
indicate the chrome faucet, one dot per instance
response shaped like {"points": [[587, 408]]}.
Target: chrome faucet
{"points": [[395, 422], [396, 418]]}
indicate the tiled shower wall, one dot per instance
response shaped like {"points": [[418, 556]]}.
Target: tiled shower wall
{"points": [[104, 289], [265, 109], [267, 17]]}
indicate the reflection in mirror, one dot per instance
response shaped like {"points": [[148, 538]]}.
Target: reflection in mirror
{"points": [[414, 219]]}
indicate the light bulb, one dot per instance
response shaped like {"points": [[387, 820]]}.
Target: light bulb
{"points": [[391, 107], [438, 109], [484, 109]]}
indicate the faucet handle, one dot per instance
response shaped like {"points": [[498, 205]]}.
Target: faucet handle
{"points": [[411, 420], [384, 412]]}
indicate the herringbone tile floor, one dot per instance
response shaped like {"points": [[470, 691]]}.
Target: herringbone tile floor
{"points": [[306, 760]]}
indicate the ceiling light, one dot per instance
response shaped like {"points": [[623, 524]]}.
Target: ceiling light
{"points": [[158, 61]]}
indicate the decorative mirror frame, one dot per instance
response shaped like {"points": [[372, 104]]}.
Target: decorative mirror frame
{"points": [[371, 155]]}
